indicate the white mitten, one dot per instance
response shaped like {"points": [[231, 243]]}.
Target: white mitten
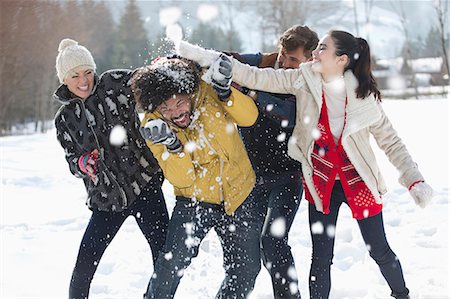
{"points": [[422, 194], [200, 55]]}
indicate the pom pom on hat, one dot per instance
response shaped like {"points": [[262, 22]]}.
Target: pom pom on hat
{"points": [[70, 56]]}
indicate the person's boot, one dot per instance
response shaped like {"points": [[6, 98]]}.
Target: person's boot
{"points": [[402, 295]]}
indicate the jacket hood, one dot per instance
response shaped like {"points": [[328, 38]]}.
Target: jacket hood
{"points": [[65, 97]]}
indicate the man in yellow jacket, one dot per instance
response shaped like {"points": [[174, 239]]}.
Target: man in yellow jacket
{"points": [[190, 126]]}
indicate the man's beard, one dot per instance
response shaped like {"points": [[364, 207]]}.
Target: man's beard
{"points": [[186, 118]]}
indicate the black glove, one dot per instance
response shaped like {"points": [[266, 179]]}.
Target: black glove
{"points": [[157, 131], [221, 77]]}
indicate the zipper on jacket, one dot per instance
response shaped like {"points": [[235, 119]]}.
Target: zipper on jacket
{"points": [[220, 162], [362, 157], [102, 159]]}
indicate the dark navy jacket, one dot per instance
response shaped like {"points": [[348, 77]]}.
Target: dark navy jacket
{"points": [[266, 141]]}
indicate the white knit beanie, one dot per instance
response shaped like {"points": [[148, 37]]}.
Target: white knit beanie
{"points": [[70, 56]]}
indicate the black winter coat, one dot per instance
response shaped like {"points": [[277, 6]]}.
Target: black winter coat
{"points": [[84, 125]]}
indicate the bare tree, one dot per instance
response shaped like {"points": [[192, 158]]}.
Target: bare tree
{"points": [[355, 16], [368, 5], [441, 8], [398, 8], [276, 16]]}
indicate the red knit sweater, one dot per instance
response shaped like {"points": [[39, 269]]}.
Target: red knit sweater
{"points": [[330, 159]]}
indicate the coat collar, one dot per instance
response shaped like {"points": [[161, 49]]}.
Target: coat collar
{"points": [[361, 113], [65, 97]]}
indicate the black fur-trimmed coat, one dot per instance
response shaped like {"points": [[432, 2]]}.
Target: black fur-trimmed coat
{"points": [[84, 125]]}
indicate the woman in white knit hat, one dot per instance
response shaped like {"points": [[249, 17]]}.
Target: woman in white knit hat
{"points": [[98, 127]]}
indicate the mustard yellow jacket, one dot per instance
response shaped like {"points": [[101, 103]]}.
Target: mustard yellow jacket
{"points": [[213, 166]]}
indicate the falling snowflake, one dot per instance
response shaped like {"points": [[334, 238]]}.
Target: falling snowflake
{"points": [[118, 135], [281, 137], [278, 227], [317, 228], [331, 231], [315, 133], [168, 256], [190, 146]]}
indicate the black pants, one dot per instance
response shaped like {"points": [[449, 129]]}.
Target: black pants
{"points": [[151, 215], [372, 230], [239, 235], [281, 196]]}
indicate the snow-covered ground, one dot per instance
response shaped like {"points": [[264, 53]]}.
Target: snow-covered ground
{"points": [[43, 217]]}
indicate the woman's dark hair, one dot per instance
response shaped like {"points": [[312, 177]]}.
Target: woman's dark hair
{"points": [[158, 82], [360, 62]]}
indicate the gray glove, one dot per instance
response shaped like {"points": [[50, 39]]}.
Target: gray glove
{"points": [[157, 131], [221, 76]]}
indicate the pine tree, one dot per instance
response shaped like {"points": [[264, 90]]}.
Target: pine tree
{"points": [[102, 32], [131, 45], [432, 42], [214, 37]]}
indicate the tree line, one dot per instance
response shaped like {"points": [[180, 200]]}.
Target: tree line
{"points": [[30, 32]]}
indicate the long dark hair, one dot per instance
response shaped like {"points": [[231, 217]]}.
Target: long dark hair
{"points": [[360, 62]]}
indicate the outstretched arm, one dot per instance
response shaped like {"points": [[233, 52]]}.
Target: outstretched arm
{"points": [[278, 81], [410, 176]]}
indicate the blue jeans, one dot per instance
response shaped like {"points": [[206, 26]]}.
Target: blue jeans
{"points": [[239, 236], [151, 215], [281, 195], [372, 230]]}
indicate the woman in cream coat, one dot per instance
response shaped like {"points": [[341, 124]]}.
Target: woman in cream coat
{"points": [[338, 107]]}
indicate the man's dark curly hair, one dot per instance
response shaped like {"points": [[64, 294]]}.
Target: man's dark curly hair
{"points": [[158, 82]]}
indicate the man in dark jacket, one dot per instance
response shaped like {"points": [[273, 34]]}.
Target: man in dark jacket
{"points": [[278, 181], [98, 127]]}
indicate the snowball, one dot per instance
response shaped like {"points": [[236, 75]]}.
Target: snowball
{"points": [[292, 273], [306, 119], [281, 137], [331, 230], [321, 152], [169, 15], [168, 256], [315, 133], [284, 123], [165, 156], [207, 12], [269, 107], [366, 213], [230, 128], [190, 146], [232, 228], [293, 288], [278, 227], [189, 227], [118, 136], [317, 228]]}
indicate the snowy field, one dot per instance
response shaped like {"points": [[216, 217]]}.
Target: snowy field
{"points": [[43, 217]]}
